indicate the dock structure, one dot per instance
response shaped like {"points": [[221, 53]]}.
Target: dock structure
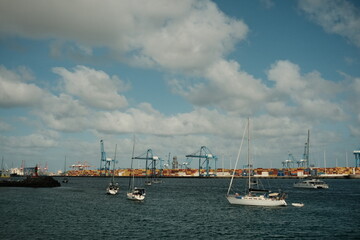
{"points": [[357, 158]]}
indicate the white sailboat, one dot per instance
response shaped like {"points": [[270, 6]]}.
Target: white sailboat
{"points": [[113, 187], [134, 193], [253, 196]]}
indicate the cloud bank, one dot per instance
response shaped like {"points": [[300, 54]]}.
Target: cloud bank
{"points": [[173, 35], [189, 42]]}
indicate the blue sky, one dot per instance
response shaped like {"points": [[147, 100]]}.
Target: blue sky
{"points": [[179, 75]]}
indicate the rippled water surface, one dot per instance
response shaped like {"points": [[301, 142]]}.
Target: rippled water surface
{"points": [[177, 209]]}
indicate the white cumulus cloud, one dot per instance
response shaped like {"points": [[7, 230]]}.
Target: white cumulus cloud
{"points": [[41, 139], [227, 87], [173, 35], [335, 16], [95, 88], [146, 120], [15, 91], [308, 95], [63, 113]]}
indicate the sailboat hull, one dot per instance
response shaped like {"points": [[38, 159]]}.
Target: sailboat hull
{"points": [[135, 197], [112, 189], [255, 201], [112, 192]]}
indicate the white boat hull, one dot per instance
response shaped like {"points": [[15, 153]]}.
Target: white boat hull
{"points": [[135, 197], [297, 204], [309, 186], [313, 184], [255, 201], [112, 191]]}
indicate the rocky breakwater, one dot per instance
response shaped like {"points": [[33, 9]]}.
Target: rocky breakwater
{"points": [[35, 182]]}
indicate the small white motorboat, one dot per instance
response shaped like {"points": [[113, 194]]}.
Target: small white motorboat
{"points": [[312, 183], [297, 204]]}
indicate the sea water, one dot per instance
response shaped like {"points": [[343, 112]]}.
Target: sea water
{"points": [[178, 208]]}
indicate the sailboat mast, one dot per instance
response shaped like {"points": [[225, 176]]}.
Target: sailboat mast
{"points": [[131, 182], [324, 162], [248, 154], [113, 176], [237, 160], [308, 149]]}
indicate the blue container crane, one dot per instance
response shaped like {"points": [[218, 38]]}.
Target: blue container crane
{"points": [[104, 161], [151, 162], [289, 163], [205, 154]]}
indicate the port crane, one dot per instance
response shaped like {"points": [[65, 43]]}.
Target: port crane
{"points": [[151, 162], [305, 160], [167, 164], [289, 162], [204, 153], [105, 162], [186, 164], [79, 166]]}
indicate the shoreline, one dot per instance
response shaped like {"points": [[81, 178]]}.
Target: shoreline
{"points": [[216, 177]]}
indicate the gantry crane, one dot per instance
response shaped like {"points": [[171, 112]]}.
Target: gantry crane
{"points": [[289, 162], [150, 163], [186, 164], [205, 154], [80, 166], [305, 160], [104, 161]]}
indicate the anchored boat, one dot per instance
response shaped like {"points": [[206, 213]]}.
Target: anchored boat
{"points": [[254, 195], [297, 204], [311, 183], [134, 193], [113, 187]]}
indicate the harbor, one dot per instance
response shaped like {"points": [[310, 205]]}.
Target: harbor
{"points": [[168, 119], [177, 208], [178, 201], [339, 172], [154, 167]]}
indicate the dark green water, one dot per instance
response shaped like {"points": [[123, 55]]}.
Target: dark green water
{"points": [[177, 209]]}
